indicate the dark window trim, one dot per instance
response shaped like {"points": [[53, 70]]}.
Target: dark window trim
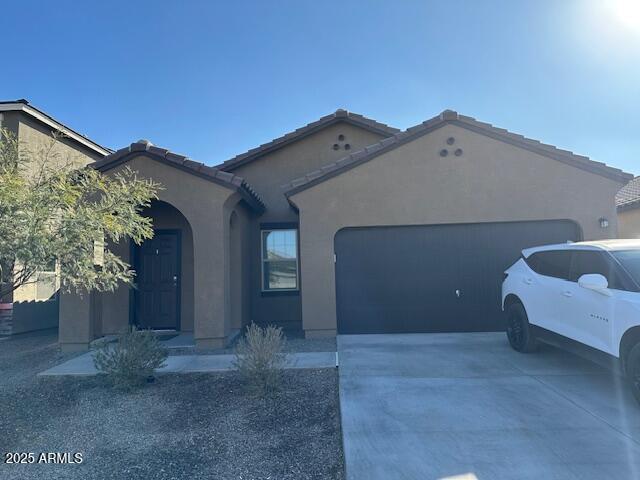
{"points": [[270, 226], [279, 226], [281, 293]]}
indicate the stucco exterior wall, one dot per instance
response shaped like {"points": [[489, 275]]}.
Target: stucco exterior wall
{"points": [[267, 175], [10, 121], [207, 208], [37, 138], [36, 141], [491, 181], [115, 305], [629, 223], [240, 298]]}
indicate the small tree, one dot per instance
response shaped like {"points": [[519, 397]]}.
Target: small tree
{"points": [[55, 211]]}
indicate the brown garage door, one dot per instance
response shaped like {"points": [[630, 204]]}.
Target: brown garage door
{"points": [[432, 278]]}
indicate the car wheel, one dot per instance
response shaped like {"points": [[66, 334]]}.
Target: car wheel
{"points": [[633, 371], [519, 331]]}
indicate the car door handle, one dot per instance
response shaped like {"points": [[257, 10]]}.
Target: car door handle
{"points": [[567, 293], [528, 281]]}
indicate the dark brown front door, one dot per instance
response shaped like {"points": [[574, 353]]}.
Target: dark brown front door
{"points": [[157, 299]]}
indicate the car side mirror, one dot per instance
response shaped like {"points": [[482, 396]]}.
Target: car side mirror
{"points": [[596, 282]]}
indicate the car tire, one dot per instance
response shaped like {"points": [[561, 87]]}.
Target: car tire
{"points": [[519, 332], [633, 370]]}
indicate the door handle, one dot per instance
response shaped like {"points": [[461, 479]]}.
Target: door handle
{"points": [[567, 293], [458, 293], [528, 281], [175, 280]]}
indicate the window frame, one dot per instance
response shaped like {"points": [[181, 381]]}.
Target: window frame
{"points": [[265, 229]]}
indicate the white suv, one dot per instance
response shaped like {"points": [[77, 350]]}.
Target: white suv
{"points": [[587, 292]]}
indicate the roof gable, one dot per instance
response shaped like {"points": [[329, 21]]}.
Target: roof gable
{"points": [[469, 123], [339, 115], [181, 162]]}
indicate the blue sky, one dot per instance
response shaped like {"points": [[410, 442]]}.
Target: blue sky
{"points": [[213, 79]]}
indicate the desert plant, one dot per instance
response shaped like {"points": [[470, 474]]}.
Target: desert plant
{"points": [[260, 357], [56, 211], [132, 360]]}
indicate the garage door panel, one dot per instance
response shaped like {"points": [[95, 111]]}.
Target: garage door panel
{"points": [[405, 279]]}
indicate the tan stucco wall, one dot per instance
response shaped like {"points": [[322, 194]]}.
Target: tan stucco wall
{"points": [[629, 223], [207, 207], [36, 139], [115, 305], [36, 142], [267, 175], [413, 185], [239, 295]]}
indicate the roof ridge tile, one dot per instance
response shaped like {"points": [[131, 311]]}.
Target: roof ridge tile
{"points": [[453, 117], [339, 115], [181, 161]]}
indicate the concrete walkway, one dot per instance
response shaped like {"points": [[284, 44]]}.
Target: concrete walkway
{"points": [[467, 406], [83, 364]]}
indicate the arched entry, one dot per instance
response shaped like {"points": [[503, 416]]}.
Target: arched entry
{"points": [[163, 297]]}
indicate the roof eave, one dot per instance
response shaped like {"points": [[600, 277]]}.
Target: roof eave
{"points": [[39, 115], [452, 118], [629, 205], [303, 132], [238, 185]]}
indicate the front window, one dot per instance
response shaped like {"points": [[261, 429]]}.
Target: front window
{"points": [[630, 261], [279, 260]]}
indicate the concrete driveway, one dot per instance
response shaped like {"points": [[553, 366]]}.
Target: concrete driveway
{"points": [[431, 406]]}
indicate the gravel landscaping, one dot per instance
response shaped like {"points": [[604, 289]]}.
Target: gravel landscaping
{"points": [[192, 426]]}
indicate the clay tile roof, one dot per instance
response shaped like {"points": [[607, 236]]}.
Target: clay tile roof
{"points": [[629, 195], [339, 115], [470, 123], [213, 174]]}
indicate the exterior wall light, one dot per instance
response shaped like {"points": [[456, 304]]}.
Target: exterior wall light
{"points": [[604, 223]]}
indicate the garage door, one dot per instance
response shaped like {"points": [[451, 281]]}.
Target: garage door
{"points": [[435, 278]]}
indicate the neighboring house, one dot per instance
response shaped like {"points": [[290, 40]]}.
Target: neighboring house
{"points": [[628, 202], [35, 305], [346, 225]]}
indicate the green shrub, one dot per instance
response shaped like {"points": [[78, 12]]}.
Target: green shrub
{"points": [[132, 360], [260, 357]]}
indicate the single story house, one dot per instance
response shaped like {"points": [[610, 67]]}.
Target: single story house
{"points": [[35, 304], [628, 203], [346, 225]]}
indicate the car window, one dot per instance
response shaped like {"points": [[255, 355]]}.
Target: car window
{"points": [[551, 263], [630, 261], [590, 261]]}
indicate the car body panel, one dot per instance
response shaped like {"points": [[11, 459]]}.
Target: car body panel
{"points": [[595, 319]]}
